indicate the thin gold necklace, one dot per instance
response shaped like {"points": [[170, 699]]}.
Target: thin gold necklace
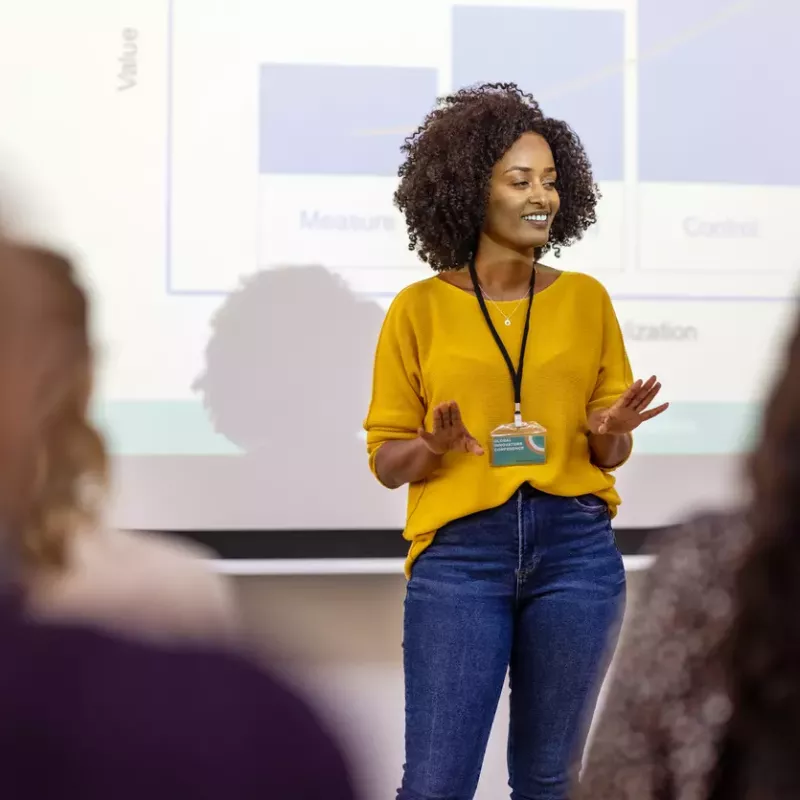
{"points": [[506, 317]]}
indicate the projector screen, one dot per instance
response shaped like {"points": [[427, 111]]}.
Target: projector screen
{"points": [[223, 170]]}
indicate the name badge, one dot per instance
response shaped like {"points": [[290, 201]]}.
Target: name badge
{"points": [[514, 445]]}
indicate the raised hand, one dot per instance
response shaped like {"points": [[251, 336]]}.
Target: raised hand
{"points": [[449, 432], [630, 411]]}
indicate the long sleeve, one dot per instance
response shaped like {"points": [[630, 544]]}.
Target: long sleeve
{"points": [[396, 409], [614, 375]]}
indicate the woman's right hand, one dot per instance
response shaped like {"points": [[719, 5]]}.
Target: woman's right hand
{"points": [[449, 433]]}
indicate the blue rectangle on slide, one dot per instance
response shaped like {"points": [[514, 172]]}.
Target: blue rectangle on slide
{"points": [[340, 120], [719, 91], [570, 60]]}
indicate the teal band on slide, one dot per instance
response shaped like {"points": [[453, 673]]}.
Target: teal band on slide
{"points": [[182, 427]]}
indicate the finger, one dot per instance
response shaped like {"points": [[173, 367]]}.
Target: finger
{"points": [[452, 414], [628, 395], [653, 412], [449, 416], [649, 383], [440, 418], [603, 427], [644, 400], [473, 446], [644, 388]]}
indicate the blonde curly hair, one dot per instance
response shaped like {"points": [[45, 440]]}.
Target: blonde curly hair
{"points": [[71, 468]]}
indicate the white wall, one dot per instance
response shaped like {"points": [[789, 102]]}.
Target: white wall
{"points": [[340, 637]]}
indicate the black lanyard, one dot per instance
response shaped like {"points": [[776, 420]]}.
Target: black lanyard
{"points": [[516, 374]]}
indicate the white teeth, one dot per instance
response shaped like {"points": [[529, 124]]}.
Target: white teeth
{"points": [[536, 217]]}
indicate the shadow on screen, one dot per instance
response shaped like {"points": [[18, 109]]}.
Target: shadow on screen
{"points": [[287, 379], [288, 369]]}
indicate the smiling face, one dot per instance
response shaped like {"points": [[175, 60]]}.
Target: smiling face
{"points": [[523, 199]]}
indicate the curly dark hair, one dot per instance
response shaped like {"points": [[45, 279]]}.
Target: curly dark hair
{"points": [[445, 177], [763, 648]]}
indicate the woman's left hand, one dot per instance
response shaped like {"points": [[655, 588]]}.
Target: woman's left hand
{"points": [[630, 411]]}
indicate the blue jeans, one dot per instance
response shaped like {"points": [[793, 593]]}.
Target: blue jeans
{"points": [[536, 586]]}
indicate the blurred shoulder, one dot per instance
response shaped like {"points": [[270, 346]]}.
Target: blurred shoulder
{"points": [[144, 554], [144, 582], [178, 570], [149, 546]]}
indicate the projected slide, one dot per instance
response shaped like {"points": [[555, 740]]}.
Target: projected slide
{"points": [[205, 145], [717, 124]]}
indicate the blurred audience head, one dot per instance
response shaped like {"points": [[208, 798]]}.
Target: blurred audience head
{"points": [[764, 647], [52, 460]]}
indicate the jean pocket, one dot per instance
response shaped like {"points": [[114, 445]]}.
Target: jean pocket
{"points": [[590, 504]]}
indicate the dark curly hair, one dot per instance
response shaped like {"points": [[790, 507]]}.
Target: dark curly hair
{"points": [[444, 180], [763, 648]]}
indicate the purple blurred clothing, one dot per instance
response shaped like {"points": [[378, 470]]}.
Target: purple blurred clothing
{"points": [[84, 714]]}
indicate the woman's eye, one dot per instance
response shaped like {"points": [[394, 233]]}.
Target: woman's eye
{"points": [[521, 183]]}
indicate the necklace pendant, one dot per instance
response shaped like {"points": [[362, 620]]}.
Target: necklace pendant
{"points": [[508, 322]]}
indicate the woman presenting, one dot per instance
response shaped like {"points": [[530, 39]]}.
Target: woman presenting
{"points": [[502, 395]]}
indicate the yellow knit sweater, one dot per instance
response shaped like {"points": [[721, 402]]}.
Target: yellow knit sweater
{"points": [[435, 347]]}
